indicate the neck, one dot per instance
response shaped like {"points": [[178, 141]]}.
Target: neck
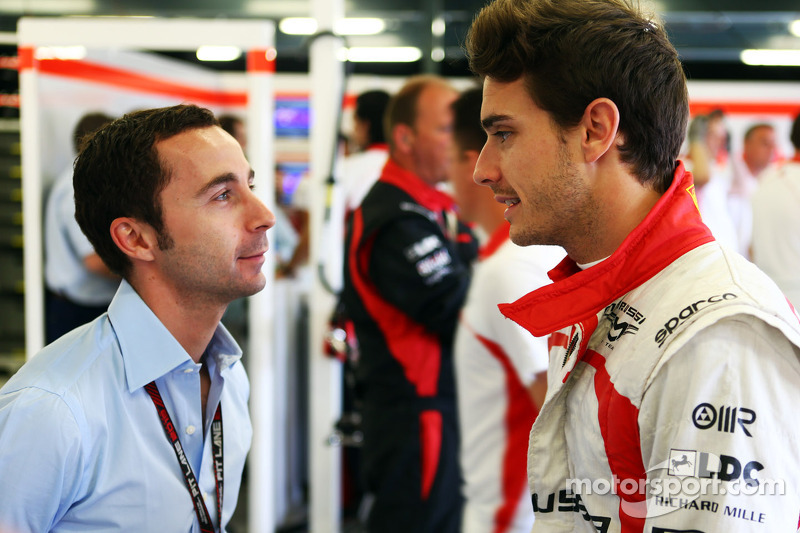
{"points": [[754, 170], [192, 321], [406, 162], [621, 204]]}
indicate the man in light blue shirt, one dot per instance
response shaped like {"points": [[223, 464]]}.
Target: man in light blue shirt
{"points": [[138, 421]]}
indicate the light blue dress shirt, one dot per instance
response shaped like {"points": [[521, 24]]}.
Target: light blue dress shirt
{"points": [[81, 445]]}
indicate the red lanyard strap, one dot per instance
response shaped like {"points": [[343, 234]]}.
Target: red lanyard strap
{"points": [[200, 508]]}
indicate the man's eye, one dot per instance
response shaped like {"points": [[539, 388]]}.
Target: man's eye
{"points": [[502, 135], [224, 196]]}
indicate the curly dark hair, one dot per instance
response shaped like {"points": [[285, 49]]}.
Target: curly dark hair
{"points": [[570, 52]]}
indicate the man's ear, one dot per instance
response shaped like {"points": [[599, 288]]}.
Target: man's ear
{"points": [[403, 137], [600, 125], [136, 239]]}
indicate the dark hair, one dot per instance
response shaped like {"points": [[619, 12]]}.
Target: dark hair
{"points": [[118, 173], [467, 130], [370, 107], [571, 52], [794, 136], [87, 124], [402, 107], [229, 122]]}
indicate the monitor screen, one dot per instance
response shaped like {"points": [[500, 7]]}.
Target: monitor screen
{"points": [[291, 117]]}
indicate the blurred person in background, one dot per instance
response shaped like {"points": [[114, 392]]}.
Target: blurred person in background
{"points": [[79, 285], [362, 168], [407, 269], [758, 153], [776, 222], [706, 159]]}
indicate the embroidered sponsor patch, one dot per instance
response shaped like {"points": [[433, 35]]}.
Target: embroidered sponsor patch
{"points": [[423, 247]]}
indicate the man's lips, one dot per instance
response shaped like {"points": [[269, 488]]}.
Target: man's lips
{"points": [[257, 253], [506, 199]]}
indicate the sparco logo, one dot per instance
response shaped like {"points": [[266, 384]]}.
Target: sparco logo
{"points": [[687, 312], [706, 416]]}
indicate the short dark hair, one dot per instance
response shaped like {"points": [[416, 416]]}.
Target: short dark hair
{"points": [[370, 107], [228, 123], [467, 130], [118, 173], [794, 136], [570, 52]]}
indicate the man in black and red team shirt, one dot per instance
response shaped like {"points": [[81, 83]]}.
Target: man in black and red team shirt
{"points": [[407, 270]]}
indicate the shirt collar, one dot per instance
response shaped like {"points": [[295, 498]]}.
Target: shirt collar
{"points": [[148, 349], [424, 194], [671, 228]]}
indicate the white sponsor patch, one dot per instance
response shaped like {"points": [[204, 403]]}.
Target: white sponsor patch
{"points": [[423, 247]]}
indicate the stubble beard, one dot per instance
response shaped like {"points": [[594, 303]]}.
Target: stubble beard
{"points": [[569, 207]]}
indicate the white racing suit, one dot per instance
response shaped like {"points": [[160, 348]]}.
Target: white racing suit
{"points": [[673, 387]]}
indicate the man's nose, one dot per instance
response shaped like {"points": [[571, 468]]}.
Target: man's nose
{"points": [[486, 171]]}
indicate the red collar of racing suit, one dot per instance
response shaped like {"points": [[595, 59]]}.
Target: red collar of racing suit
{"points": [[496, 240], [672, 228], [422, 193]]}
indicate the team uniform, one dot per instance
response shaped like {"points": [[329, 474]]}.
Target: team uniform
{"points": [[407, 271], [672, 387], [776, 227], [496, 361]]}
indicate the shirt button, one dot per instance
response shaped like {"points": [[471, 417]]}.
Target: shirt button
{"points": [[190, 430], [188, 370]]}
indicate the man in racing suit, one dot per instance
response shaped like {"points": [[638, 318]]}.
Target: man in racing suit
{"points": [[674, 362], [407, 270]]}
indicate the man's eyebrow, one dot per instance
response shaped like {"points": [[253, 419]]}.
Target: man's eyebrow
{"points": [[491, 120], [222, 179]]}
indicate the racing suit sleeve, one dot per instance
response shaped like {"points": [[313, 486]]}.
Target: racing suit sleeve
{"points": [[720, 433], [422, 273]]}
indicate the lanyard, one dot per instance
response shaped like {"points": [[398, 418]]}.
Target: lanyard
{"points": [[188, 475]]}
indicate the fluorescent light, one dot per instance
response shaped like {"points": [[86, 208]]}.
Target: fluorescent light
{"points": [[384, 54], [359, 26], [61, 52], [438, 26], [298, 26], [346, 26], [64, 7], [782, 58], [218, 53], [437, 54], [794, 27]]}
